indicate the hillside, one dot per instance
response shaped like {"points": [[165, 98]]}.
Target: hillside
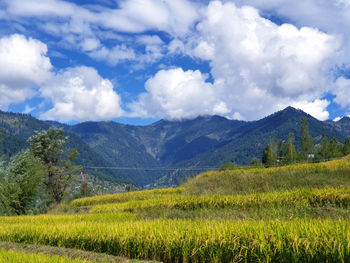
{"points": [[296, 213], [206, 141], [17, 128]]}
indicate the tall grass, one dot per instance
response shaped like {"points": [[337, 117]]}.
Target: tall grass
{"points": [[247, 181], [339, 197], [21, 257], [197, 240], [124, 197]]}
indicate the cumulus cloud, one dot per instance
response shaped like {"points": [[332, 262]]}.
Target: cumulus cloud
{"points": [[177, 94], [23, 64], [81, 94], [342, 92], [317, 108], [258, 67], [113, 55]]}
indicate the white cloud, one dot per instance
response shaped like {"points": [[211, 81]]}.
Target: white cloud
{"points": [[258, 66], [23, 64], [317, 108], [177, 94], [342, 92], [81, 94], [337, 119], [114, 55]]}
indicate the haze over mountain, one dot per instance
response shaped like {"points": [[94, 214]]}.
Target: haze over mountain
{"points": [[207, 141]]}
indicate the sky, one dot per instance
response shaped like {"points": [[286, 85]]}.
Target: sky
{"points": [[138, 61]]}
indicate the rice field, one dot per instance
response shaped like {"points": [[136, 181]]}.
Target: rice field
{"points": [[21, 257], [307, 206]]}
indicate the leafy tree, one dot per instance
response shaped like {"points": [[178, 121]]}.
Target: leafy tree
{"points": [[50, 147], [307, 142], [228, 166], [290, 152], [256, 162], [335, 149], [24, 178], [346, 147], [269, 154], [4, 198], [323, 151]]}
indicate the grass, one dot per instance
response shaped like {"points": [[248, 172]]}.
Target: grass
{"points": [[246, 181], [22, 257], [21, 250], [296, 213], [197, 240]]}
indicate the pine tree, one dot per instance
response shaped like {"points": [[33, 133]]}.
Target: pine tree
{"points": [[290, 152], [269, 154], [307, 142]]}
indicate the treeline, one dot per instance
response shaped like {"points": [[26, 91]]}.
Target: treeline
{"points": [[284, 152], [39, 176]]}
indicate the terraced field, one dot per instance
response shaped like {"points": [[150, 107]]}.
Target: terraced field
{"points": [[297, 213]]}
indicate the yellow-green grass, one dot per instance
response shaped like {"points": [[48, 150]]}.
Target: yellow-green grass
{"points": [[124, 197], [339, 197], [305, 240], [9, 256], [67, 219], [246, 181]]}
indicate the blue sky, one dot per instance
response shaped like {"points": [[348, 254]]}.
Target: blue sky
{"points": [[137, 61]]}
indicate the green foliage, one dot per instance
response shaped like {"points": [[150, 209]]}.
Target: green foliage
{"points": [[228, 166], [346, 147], [49, 146], [290, 152], [24, 178], [306, 142], [269, 154]]}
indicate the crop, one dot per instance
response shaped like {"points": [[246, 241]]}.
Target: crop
{"points": [[248, 181], [124, 197], [197, 240], [21, 257], [339, 197]]}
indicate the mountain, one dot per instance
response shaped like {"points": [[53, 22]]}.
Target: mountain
{"points": [[16, 128], [206, 141], [342, 126]]}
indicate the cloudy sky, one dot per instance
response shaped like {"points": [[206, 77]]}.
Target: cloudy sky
{"points": [[136, 61]]}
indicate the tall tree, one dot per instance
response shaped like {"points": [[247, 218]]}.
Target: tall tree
{"points": [[290, 152], [346, 147], [50, 147], [269, 154], [323, 150], [24, 178], [307, 142]]}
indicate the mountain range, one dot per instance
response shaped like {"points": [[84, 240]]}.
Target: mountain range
{"points": [[165, 148]]}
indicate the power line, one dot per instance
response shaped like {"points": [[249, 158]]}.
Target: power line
{"points": [[152, 168]]}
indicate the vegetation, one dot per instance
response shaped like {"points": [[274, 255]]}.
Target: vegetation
{"points": [[21, 257], [286, 152], [49, 147]]}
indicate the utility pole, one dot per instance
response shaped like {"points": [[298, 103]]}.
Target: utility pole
{"points": [[84, 184]]}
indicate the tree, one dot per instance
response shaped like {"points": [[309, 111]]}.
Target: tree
{"points": [[335, 149], [228, 166], [50, 147], [346, 147], [24, 178], [323, 151], [307, 142], [290, 152], [269, 154]]}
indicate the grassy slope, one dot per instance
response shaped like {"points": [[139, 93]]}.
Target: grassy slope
{"points": [[297, 213]]}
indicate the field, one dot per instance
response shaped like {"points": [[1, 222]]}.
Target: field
{"points": [[297, 213]]}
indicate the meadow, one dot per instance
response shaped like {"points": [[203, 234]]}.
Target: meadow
{"points": [[296, 213]]}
